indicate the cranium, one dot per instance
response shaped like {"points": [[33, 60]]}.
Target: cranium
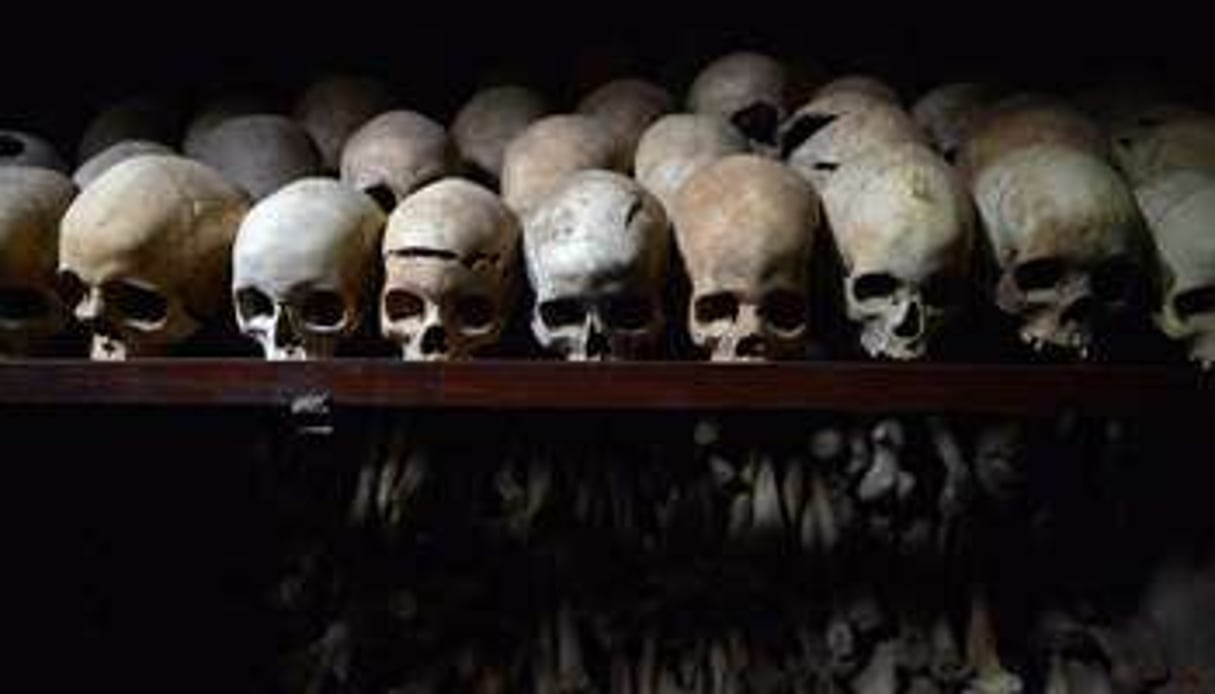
{"points": [[334, 107], [487, 123], [745, 227], [628, 106], [144, 252], [859, 84], [946, 114], [1025, 120], [1068, 237], [136, 118], [1157, 144], [748, 89], [302, 266], [120, 151], [450, 254], [394, 154], [677, 146], [835, 128], [260, 153], [219, 109], [904, 226], [596, 253], [1180, 212], [23, 149], [550, 150], [32, 201]]}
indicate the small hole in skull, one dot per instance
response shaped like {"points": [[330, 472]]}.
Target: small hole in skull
{"points": [[136, 303], [560, 313], [10, 146], [323, 309], [400, 304], [759, 122], [826, 165], [803, 129], [711, 308], [251, 303], [784, 310], [22, 304], [418, 252], [912, 324], [873, 285], [1041, 273], [626, 312], [383, 196], [1193, 302], [474, 312], [70, 287]]}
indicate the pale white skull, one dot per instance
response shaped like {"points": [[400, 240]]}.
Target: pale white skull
{"points": [[1157, 143], [947, 112], [87, 172], [144, 253], [864, 85], [23, 149], [1180, 212], [302, 266], [450, 255], [334, 107], [596, 253], [136, 118], [260, 153], [1026, 120], [677, 146], [745, 227], [628, 106], [833, 129], [396, 153], [549, 151], [487, 123], [904, 226], [1068, 238], [220, 108], [32, 201], [748, 89]]}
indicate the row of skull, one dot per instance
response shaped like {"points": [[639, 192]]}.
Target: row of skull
{"points": [[1079, 210]]}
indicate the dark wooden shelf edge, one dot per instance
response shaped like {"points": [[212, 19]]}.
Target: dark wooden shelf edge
{"points": [[836, 386]]}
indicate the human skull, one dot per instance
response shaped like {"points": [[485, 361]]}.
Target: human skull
{"points": [[677, 146], [549, 151], [748, 89], [260, 153], [334, 107], [450, 254], [864, 85], [745, 227], [32, 201], [904, 226], [302, 267], [144, 253], [1068, 238], [136, 118], [596, 255], [628, 106], [23, 149], [1180, 212], [394, 154], [220, 108], [1157, 144], [1025, 120], [946, 114], [487, 123], [839, 126], [87, 172]]}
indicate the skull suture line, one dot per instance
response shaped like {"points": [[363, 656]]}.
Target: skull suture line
{"points": [[396, 153], [596, 253], [677, 146], [449, 253], [487, 123], [302, 268]]}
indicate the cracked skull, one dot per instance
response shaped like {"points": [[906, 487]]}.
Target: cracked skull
{"points": [[596, 254], [449, 254], [904, 226], [302, 267], [748, 89], [745, 227], [144, 254], [396, 153]]}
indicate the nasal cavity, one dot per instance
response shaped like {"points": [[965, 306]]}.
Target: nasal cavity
{"points": [[10, 146], [597, 345], [751, 347], [758, 122], [912, 324], [284, 334], [434, 340], [1079, 311]]}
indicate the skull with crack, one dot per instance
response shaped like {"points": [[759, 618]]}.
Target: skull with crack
{"points": [[677, 146], [396, 153], [488, 121]]}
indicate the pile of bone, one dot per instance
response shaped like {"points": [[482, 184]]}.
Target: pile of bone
{"points": [[1094, 213]]}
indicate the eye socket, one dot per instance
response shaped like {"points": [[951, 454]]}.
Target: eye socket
{"points": [[873, 285], [559, 313], [323, 309], [1115, 279], [22, 304], [136, 303], [784, 310], [474, 312], [711, 308], [758, 122], [251, 303], [10, 146], [1194, 301], [627, 312], [1042, 273], [942, 289], [70, 288], [400, 305]]}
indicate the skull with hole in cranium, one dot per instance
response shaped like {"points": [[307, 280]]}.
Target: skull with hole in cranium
{"points": [[144, 253], [904, 226], [745, 227], [596, 253], [749, 89], [302, 265], [449, 259]]}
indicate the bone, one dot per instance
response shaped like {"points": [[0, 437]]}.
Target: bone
{"points": [[334, 107], [135, 118], [489, 120], [395, 154], [261, 153], [947, 113], [549, 151], [628, 106], [25, 149], [675, 147], [1164, 141], [749, 89], [99, 163]]}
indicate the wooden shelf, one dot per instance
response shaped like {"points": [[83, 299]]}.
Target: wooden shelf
{"points": [[835, 386]]}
